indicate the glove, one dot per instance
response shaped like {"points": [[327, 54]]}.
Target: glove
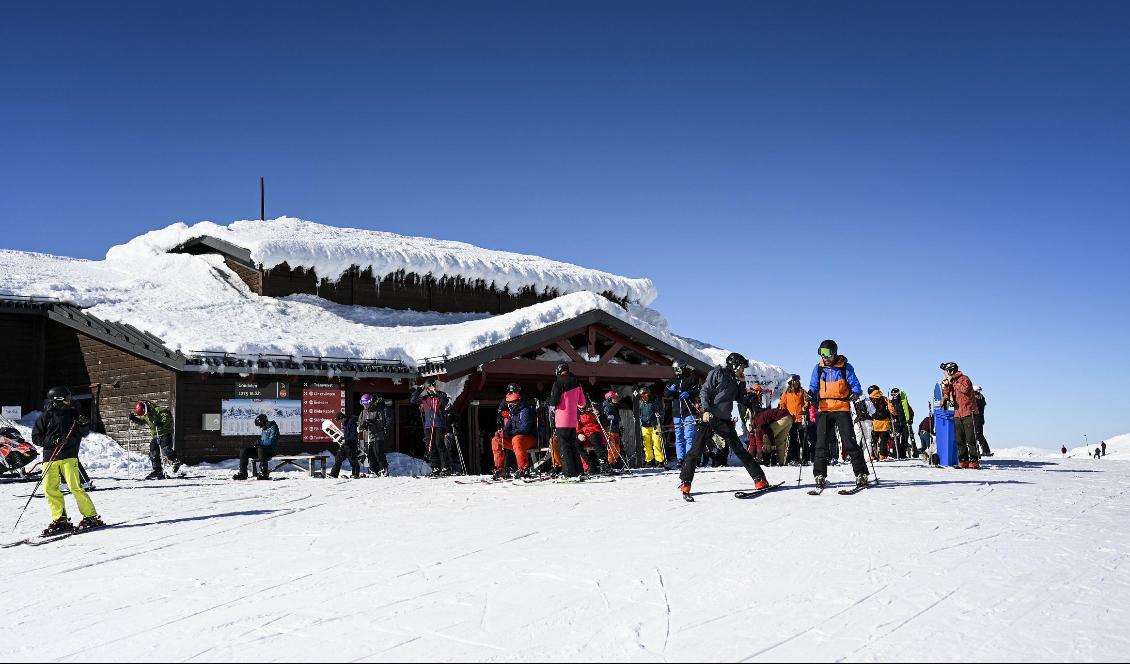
{"points": [[671, 388], [706, 416], [581, 437], [855, 397], [719, 442], [684, 395]]}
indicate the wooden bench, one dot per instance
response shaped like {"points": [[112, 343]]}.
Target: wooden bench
{"points": [[312, 461]]}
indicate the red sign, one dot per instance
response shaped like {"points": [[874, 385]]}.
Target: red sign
{"points": [[319, 404]]}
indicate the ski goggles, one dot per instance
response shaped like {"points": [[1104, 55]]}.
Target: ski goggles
{"points": [[826, 353]]}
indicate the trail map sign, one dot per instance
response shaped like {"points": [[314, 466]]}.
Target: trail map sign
{"points": [[319, 403]]}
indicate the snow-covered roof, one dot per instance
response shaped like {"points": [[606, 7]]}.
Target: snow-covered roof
{"points": [[196, 303], [331, 251]]}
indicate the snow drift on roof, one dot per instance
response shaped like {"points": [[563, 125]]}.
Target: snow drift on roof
{"points": [[331, 251], [196, 303]]}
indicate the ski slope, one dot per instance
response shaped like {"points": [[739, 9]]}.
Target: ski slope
{"points": [[1025, 560]]}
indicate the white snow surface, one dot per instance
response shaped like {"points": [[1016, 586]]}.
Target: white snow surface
{"points": [[180, 298], [1023, 561], [330, 251]]}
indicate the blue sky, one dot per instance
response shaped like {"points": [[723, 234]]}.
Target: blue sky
{"points": [[921, 182]]}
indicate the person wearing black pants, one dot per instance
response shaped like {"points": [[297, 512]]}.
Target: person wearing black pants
{"points": [[263, 451], [347, 449], [835, 386], [566, 398], [722, 387], [373, 426]]}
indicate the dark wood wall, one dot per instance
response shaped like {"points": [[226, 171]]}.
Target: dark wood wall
{"points": [[400, 290], [21, 361], [76, 360]]}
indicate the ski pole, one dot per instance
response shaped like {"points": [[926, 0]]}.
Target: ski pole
{"points": [[459, 449], [870, 457]]}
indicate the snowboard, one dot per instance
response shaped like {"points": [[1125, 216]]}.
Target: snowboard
{"points": [[331, 429]]}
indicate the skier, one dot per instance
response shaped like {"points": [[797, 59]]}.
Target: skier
{"points": [[651, 427], [902, 419], [1104, 448], [879, 408], [348, 449], [1063, 450], [434, 404], [680, 391], [834, 386], [722, 387], [773, 426], [591, 435], [263, 451], [1097, 453], [564, 398], [159, 421], [374, 425], [611, 409], [958, 390], [59, 431], [979, 422], [519, 433], [793, 400]]}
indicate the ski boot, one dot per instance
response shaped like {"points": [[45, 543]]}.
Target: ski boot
{"points": [[963, 465], [974, 465], [685, 490], [176, 467], [860, 481], [263, 476], [239, 476], [436, 472], [58, 527], [90, 523], [155, 475], [500, 474], [523, 474], [821, 482], [87, 485], [761, 484]]}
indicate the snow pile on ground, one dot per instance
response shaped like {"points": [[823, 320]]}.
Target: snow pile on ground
{"points": [[1023, 561], [399, 465], [179, 298], [99, 453], [330, 251]]}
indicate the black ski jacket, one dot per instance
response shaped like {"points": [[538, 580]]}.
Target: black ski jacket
{"points": [[59, 431], [374, 423], [677, 387], [719, 392]]}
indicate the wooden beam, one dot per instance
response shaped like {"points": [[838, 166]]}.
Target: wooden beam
{"points": [[592, 340], [567, 348], [611, 352], [625, 373], [635, 347]]}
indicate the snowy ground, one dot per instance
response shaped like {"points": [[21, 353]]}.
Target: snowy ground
{"points": [[1022, 561]]}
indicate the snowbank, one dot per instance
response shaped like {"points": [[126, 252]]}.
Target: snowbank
{"points": [[99, 453], [331, 251]]}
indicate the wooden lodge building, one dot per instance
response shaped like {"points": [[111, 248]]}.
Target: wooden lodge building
{"points": [[111, 365]]}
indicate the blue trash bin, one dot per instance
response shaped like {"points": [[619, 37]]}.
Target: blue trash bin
{"points": [[946, 437]]}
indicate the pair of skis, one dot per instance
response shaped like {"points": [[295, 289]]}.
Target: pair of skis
{"points": [[40, 540], [843, 492]]}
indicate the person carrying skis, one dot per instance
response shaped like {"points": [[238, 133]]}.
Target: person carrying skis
{"points": [[374, 428], [59, 430], [722, 387], [773, 426], [879, 409], [680, 391], [834, 387], [434, 404], [902, 417], [263, 451], [349, 448], [159, 421], [565, 398], [793, 399], [979, 422], [611, 410], [651, 427], [957, 389]]}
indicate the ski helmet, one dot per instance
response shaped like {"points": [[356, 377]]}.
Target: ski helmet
{"points": [[895, 392], [677, 366], [513, 388], [366, 399], [644, 389], [563, 368], [261, 421], [513, 397], [873, 388], [141, 409], [948, 367], [611, 394], [736, 362], [977, 388], [58, 393], [828, 349]]}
